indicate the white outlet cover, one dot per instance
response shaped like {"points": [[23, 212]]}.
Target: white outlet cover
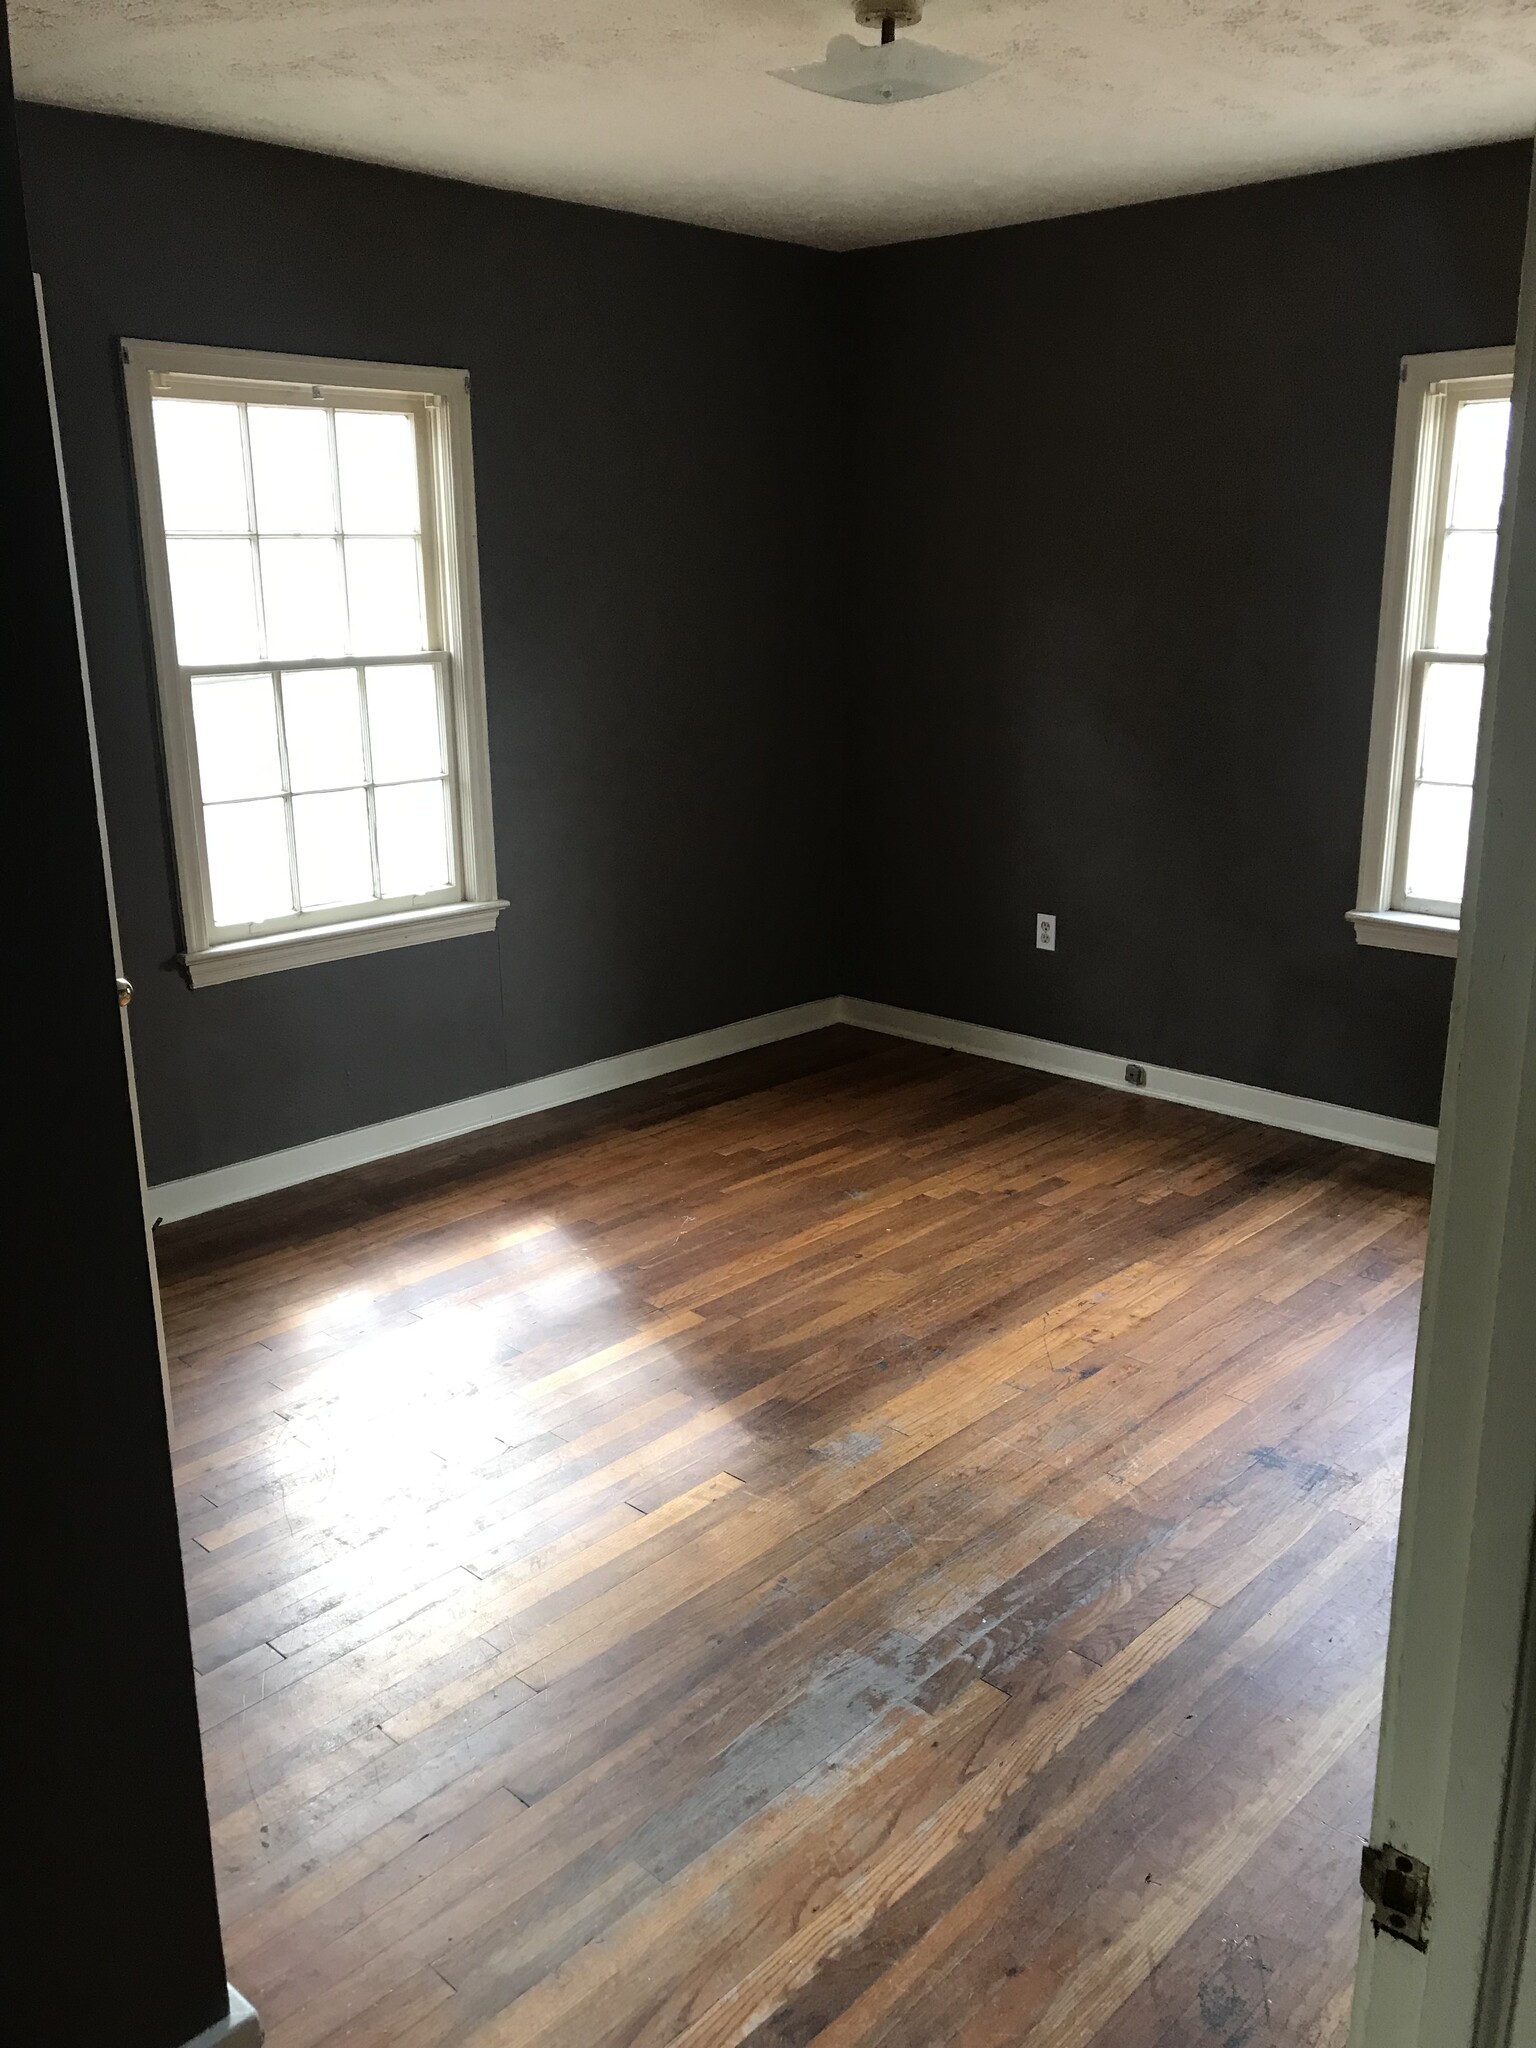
{"points": [[1045, 931]]}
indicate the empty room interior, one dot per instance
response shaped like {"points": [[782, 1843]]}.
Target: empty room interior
{"points": [[786, 706]]}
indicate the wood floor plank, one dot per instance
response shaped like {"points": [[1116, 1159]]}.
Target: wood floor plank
{"points": [[858, 1544]]}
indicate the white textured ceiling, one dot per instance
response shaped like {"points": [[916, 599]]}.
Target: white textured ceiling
{"points": [[666, 106]]}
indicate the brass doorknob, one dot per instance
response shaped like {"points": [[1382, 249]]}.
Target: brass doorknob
{"points": [[124, 993]]}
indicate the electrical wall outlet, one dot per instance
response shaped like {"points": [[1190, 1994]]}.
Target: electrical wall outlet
{"points": [[1137, 1076], [1045, 930]]}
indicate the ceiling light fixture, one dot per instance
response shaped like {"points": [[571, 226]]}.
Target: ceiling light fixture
{"points": [[879, 74]]}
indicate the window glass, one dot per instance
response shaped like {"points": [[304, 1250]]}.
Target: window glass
{"points": [[237, 749], [403, 723], [323, 724], [1437, 844], [202, 468], [291, 469], [384, 596], [302, 598], [248, 861], [376, 455], [330, 835], [413, 837], [213, 599]]}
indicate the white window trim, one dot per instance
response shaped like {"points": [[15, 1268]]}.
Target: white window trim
{"points": [[1413, 507], [207, 958]]}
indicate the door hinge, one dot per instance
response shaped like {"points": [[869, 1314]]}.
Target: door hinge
{"points": [[1397, 1886]]}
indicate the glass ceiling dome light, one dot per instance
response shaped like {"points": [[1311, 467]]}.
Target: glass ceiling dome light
{"points": [[880, 74]]}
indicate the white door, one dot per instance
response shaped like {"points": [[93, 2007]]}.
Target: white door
{"points": [[1456, 1779]]}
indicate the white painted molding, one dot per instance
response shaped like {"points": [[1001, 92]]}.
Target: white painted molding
{"points": [[1406, 931], [1200, 1091], [237, 959], [240, 2028], [174, 1200]]}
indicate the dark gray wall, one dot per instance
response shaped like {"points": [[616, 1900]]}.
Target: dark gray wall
{"points": [[650, 425], [112, 1921], [1130, 474], [1104, 645]]}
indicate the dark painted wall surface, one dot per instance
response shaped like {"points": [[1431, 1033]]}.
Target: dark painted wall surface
{"points": [[1134, 469], [650, 406], [1106, 646], [112, 1922]]}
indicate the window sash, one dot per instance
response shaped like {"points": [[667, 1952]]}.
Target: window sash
{"points": [[365, 907], [438, 402], [328, 398], [1424, 658]]}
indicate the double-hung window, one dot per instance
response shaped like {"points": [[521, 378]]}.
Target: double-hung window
{"points": [[309, 547], [1447, 488]]}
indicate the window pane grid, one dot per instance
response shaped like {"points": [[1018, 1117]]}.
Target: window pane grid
{"points": [[326, 577], [365, 594], [1445, 667], [409, 871]]}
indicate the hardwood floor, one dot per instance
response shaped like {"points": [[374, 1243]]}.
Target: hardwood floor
{"points": [[859, 1545]]}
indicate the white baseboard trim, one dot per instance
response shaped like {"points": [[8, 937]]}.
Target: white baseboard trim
{"points": [[174, 1200], [240, 2028], [1360, 1127]]}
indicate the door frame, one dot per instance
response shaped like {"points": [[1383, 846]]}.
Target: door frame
{"points": [[1456, 1772], [101, 829]]}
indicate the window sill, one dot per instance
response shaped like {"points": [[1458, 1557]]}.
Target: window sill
{"points": [[239, 958], [1406, 931]]}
